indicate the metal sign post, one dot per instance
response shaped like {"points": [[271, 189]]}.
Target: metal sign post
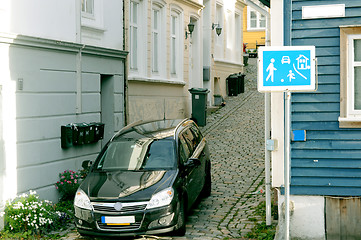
{"points": [[287, 162], [287, 69]]}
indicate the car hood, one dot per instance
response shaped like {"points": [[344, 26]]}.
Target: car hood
{"points": [[127, 185]]}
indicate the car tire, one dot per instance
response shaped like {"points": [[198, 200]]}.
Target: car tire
{"points": [[181, 223], [207, 188]]}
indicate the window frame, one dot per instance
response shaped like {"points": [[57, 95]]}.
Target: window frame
{"points": [[156, 43], [84, 5], [176, 11], [158, 5], [138, 70], [174, 43], [258, 20], [349, 117], [133, 56]]}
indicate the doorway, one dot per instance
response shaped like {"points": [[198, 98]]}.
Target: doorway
{"points": [[107, 106]]}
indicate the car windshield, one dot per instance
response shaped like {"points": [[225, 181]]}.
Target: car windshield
{"points": [[139, 154]]}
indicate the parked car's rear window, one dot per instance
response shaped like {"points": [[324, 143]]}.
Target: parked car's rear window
{"points": [[139, 154]]}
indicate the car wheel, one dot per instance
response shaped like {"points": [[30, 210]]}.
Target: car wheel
{"points": [[181, 224], [207, 188]]}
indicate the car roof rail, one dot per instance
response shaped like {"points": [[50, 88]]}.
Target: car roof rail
{"points": [[181, 123], [129, 126]]}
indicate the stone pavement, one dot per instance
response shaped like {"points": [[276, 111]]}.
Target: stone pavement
{"points": [[235, 134]]}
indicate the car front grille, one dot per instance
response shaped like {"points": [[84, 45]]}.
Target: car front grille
{"points": [[124, 208], [133, 226]]}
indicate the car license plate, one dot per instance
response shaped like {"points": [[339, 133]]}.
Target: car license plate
{"points": [[123, 220]]}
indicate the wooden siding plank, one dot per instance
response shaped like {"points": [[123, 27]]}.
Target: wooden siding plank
{"points": [[332, 218], [315, 107], [327, 144], [325, 22], [328, 88], [319, 42], [328, 61], [315, 116], [349, 12], [315, 125], [315, 97], [317, 154], [329, 191], [334, 135], [326, 172], [326, 163], [320, 181], [328, 51], [328, 79], [328, 70], [316, 33]]}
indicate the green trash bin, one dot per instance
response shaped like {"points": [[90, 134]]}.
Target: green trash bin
{"points": [[199, 105], [241, 82], [232, 85]]}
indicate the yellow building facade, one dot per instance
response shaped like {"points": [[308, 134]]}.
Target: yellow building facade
{"points": [[254, 25]]}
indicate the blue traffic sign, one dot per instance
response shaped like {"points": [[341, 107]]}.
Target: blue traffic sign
{"points": [[290, 68]]}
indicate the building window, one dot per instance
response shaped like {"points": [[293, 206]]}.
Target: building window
{"points": [[174, 44], [350, 77], [155, 39], [355, 71], [158, 40], [256, 20], [87, 7], [134, 28]]}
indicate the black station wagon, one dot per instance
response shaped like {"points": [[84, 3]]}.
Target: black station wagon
{"points": [[144, 180]]}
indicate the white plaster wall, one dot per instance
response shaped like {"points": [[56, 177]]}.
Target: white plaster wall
{"points": [[61, 20], [42, 18], [307, 218]]}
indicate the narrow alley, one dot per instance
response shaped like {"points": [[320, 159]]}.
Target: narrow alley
{"points": [[236, 139]]}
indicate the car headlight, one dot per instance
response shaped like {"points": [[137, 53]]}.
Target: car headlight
{"points": [[82, 200], [162, 198]]}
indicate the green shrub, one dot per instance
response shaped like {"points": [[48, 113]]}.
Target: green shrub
{"points": [[28, 217], [27, 213], [68, 184]]}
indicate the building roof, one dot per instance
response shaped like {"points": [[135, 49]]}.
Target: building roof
{"points": [[266, 2]]}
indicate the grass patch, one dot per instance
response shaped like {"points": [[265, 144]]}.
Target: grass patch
{"points": [[261, 230]]}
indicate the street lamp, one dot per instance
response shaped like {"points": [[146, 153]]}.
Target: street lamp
{"points": [[190, 29], [218, 28]]}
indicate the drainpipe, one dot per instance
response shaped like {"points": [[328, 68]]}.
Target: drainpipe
{"points": [[267, 118]]}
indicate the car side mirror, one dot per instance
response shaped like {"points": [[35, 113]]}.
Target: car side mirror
{"points": [[192, 162], [87, 164]]}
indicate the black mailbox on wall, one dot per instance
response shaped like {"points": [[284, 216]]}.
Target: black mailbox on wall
{"points": [[98, 131], [81, 133], [66, 136]]}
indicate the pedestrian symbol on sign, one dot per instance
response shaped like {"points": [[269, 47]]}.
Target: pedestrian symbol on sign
{"points": [[271, 68]]}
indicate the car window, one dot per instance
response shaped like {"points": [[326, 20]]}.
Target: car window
{"points": [[196, 133], [138, 154], [191, 139], [184, 152]]}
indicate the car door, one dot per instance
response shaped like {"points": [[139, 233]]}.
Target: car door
{"points": [[201, 152], [193, 171]]}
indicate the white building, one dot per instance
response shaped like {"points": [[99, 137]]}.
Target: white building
{"points": [[62, 62]]}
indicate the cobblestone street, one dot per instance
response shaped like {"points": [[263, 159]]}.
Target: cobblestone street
{"points": [[235, 134], [236, 139]]}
